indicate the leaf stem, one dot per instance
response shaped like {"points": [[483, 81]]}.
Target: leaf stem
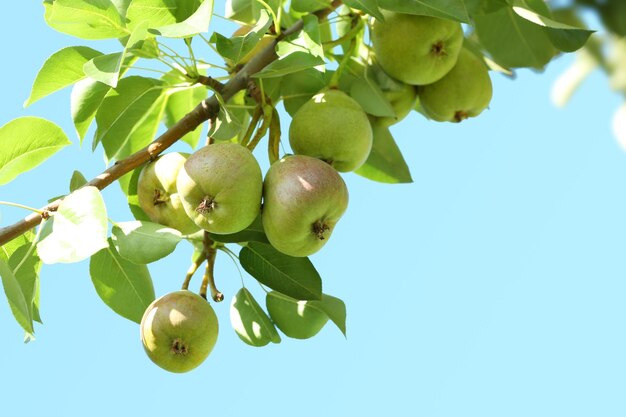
{"points": [[30, 249], [8, 203]]}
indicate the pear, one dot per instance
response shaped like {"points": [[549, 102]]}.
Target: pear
{"points": [[220, 187], [416, 50], [295, 318], [158, 196], [304, 198], [333, 127], [179, 330], [402, 101], [464, 92]]}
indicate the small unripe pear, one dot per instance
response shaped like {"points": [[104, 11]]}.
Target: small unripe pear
{"points": [[402, 101], [220, 187], [333, 127], [158, 196], [464, 92], [179, 330], [304, 198], [416, 49]]}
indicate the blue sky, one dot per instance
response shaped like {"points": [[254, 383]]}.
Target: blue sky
{"points": [[491, 286]]}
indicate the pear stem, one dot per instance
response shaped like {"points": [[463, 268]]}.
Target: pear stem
{"points": [[208, 281], [195, 264]]}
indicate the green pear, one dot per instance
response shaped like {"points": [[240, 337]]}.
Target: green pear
{"points": [[416, 49], [401, 96], [179, 330], [303, 199], [158, 196], [295, 318], [464, 92], [333, 127], [220, 187]]}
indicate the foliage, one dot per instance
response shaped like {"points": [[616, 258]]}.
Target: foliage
{"points": [[290, 52]]}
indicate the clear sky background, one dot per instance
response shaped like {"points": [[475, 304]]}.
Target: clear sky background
{"points": [[494, 285]]}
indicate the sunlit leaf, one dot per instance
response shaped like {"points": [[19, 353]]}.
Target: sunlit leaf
{"points": [[198, 22], [25, 143], [86, 19], [61, 69], [79, 229]]}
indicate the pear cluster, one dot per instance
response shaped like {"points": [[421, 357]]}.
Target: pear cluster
{"points": [[221, 189], [434, 72]]}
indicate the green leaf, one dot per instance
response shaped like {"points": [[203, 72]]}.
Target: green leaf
{"points": [[123, 110], [86, 19], [77, 181], [250, 322], [385, 162], [252, 233], [144, 242], [87, 97], [369, 95], [145, 132], [308, 6], [564, 37], [527, 45], [445, 9], [244, 11], [368, 6], [15, 296], [107, 68], [61, 69], [128, 184], [25, 265], [298, 319], [613, 14], [237, 47], [124, 286], [197, 23], [294, 62], [155, 12], [79, 229], [299, 87], [334, 308], [121, 6], [25, 143], [292, 276], [231, 119], [179, 104]]}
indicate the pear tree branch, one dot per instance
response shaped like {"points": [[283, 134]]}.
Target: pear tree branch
{"points": [[207, 109]]}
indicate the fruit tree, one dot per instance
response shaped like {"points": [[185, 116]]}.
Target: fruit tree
{"points": [[339, 74]]}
